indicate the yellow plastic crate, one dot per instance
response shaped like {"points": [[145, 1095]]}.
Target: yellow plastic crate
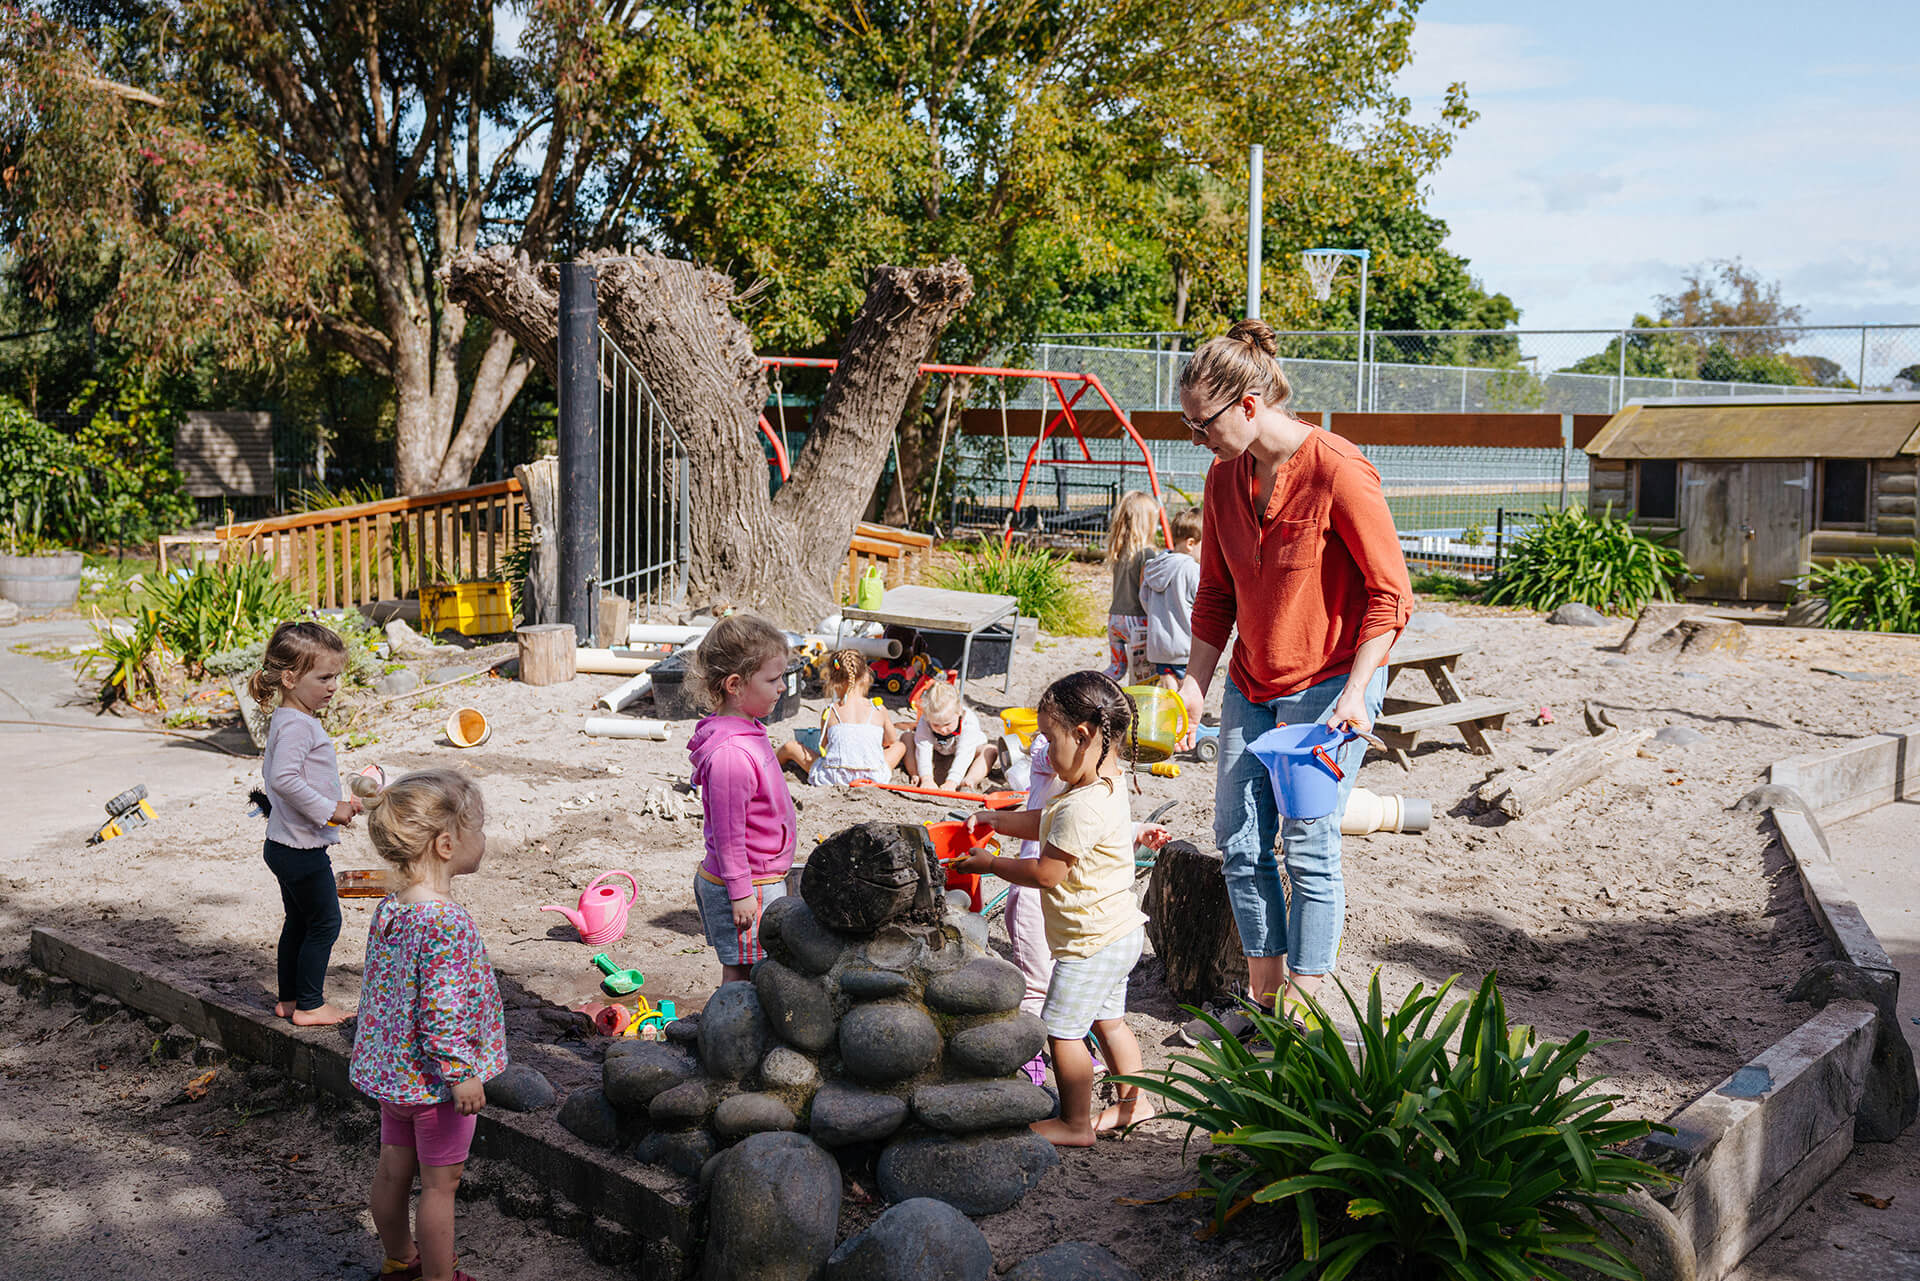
{"points": [[472, 609]]}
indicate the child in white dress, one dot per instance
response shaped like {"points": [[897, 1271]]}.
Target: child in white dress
{"points": [[857, 739]]}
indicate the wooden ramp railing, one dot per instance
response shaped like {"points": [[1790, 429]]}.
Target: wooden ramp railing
{"points": [[389, 549], [891, 549]]}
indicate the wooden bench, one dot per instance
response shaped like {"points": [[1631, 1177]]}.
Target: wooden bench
{"points": [[1401, 727], [883, 545]]}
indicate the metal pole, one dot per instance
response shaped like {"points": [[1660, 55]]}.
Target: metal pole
{"points": [[1255, 174], [1359, 380], [579, 498], [1863, 358], [1620, 393], [1566, 451]]}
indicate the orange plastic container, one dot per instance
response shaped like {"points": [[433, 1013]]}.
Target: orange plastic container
{"points": [[950, 844]]}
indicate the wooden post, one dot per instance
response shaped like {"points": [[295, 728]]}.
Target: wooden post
{"points": [[540, 482], [546, 653], [1191, 925], [616, 613]]}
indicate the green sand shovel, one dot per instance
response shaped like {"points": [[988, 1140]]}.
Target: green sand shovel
{"points": [[618, 982]]}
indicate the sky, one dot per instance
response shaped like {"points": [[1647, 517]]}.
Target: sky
{"points": [[1619, 144]]}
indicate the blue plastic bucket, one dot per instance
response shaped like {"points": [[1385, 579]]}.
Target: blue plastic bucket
{"points": [[1300, 764], [808, 736]]}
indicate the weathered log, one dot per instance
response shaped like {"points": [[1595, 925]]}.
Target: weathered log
{"points": [[546, 653], [774, 552], [1655, 621], [1522, 791], [1191, 925], [1703, 634], [540, 483]]}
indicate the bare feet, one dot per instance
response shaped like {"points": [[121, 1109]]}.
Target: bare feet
{"points": [[319, 1017], [283, 1009], [1062, 1135], [1124, 1113]]}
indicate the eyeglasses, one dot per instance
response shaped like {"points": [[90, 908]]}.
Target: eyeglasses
{"points": [[1199, 429]]}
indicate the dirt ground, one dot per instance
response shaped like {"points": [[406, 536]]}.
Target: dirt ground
{"points": [[1642, 907]]}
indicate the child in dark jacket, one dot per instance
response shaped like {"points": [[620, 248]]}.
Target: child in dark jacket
{"points": [[1168, 585]]}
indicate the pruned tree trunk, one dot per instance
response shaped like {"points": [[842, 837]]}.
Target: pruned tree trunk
{"points": [[777, 553], [1191, 926], [540, 483]]}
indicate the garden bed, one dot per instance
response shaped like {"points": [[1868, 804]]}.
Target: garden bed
{"points": [[1642, 907]]}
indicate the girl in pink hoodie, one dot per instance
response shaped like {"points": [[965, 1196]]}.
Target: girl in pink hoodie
{"points": [[741, 669]]}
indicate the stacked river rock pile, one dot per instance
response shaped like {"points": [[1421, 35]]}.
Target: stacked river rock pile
{"points": [[878, 1021]]}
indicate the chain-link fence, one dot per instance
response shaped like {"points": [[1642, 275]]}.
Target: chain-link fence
{"points": [[1454, 505]]}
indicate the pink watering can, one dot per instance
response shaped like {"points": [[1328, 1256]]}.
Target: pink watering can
{"points": [[601, 917]]}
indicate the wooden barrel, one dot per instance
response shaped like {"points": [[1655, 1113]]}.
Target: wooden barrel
{"points": [[41, 584]]}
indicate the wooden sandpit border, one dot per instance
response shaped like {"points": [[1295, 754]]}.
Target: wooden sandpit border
{"points": [[1749, 1152], [652, 1209]]}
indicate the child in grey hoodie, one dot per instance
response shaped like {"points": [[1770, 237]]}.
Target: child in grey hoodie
{"points": [[1167, 586]]}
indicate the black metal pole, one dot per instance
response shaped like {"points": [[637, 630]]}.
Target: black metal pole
{"points": [[1499, 534], [579, 497]]}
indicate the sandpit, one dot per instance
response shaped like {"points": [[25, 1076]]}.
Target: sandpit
{"points": [[1642, 907]]}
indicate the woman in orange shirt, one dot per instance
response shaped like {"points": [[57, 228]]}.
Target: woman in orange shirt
{"points": [[1299, 552]]}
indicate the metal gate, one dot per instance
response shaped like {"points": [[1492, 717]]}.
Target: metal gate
{"points": [[645, 479]]}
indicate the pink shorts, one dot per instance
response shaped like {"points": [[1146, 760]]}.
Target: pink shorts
{"points": [[436, 1132]]}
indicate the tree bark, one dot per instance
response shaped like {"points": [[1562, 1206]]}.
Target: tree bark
{"points": [[1191, 925], [777, 553]]}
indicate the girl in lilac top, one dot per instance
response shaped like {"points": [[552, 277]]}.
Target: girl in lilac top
{"points": [[431, 1030]]}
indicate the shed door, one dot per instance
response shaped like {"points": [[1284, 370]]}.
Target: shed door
{"points": [[1711, 513], [1779, 499], [1744, 527]]}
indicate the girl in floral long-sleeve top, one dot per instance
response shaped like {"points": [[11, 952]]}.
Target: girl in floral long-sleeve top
{"points": [[431, 1031]]}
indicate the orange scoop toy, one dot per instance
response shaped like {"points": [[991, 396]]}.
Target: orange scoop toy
{"points": [[992, 800]]}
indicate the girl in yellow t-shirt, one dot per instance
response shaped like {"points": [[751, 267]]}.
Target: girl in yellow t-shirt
{"points": [[1095, 929]]}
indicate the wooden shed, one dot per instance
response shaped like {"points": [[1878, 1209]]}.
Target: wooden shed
{"points": [[1762, 487], [225, 454]]}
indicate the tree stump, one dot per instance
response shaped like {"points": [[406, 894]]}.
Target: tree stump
{"points": [[546, 653], [1191, 925], [540, 482]]}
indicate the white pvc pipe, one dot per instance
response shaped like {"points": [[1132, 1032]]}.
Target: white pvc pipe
{"points": [[623, 727], [663, 634], [872, 646], [608, 662], [1368, 812], [626, 692]]}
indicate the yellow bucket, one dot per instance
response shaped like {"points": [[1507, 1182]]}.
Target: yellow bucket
{"points": [[1161, 721], [467, 727], [1021, 721]]}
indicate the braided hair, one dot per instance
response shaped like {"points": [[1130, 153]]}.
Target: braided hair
{"points": [[846, 668], [1096, 699]]}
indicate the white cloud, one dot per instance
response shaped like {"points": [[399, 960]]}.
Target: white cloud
{"points": [[1491, 57]]}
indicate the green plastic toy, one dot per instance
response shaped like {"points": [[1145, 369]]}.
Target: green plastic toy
{"points": [[618, 982]]}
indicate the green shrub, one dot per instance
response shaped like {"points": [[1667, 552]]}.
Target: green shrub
{"points": [[1573, 556], [1444, 586], [1878, 595], [43, 483], [1492, 1161], [189, 616], [134, 493], [1037, 578]]}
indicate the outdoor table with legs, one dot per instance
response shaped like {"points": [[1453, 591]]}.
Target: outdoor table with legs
{"points": [[968, 615], [1402, 722]]}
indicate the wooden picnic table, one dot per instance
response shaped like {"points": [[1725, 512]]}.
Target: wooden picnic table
{"points": [[1402, 722]]}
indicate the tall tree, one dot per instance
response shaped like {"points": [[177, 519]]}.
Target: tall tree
{"points": [[1727, 293], [243, 174]]}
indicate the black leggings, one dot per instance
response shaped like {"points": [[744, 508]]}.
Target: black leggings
{"points": [[313, 921]]}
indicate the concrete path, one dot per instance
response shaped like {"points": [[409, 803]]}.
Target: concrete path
{"points": [[59, 777], [1838, 1235]]}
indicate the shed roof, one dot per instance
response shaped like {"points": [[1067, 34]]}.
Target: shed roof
{"points": [[1763, 427]]}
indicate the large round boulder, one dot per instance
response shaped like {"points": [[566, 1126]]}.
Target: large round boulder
{"points": [[999, 1047], [773, 1207], [632, 1077], [866, 875], [745, 1114], [981, 1105], [733, 1032], [1071, 1261], [917, 1240], [978, 1174], [888, 1041], [797, 937], [844, 1114], [797, 1007], [984, 985]]}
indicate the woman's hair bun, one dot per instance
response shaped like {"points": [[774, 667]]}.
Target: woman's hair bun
{"points": [[1257, 334]]}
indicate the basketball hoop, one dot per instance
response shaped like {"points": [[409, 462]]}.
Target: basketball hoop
{"points": [[1322, 265]]}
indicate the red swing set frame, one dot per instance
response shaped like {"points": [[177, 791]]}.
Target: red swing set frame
{"points": [[1057, 379]]}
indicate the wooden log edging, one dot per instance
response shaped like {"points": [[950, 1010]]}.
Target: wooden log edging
{"points": [[656, 1207], [1749, 1152]]}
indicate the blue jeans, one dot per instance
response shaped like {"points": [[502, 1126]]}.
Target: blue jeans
{"points": [[1303, 925]]}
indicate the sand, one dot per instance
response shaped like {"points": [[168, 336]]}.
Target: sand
{"points": [[1643, 907]]}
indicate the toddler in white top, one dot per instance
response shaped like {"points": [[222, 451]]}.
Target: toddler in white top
{"points": [[949, 747]]}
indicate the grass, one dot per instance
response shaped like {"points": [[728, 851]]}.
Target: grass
{"points": [[1038, 579], [115, 585]]}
